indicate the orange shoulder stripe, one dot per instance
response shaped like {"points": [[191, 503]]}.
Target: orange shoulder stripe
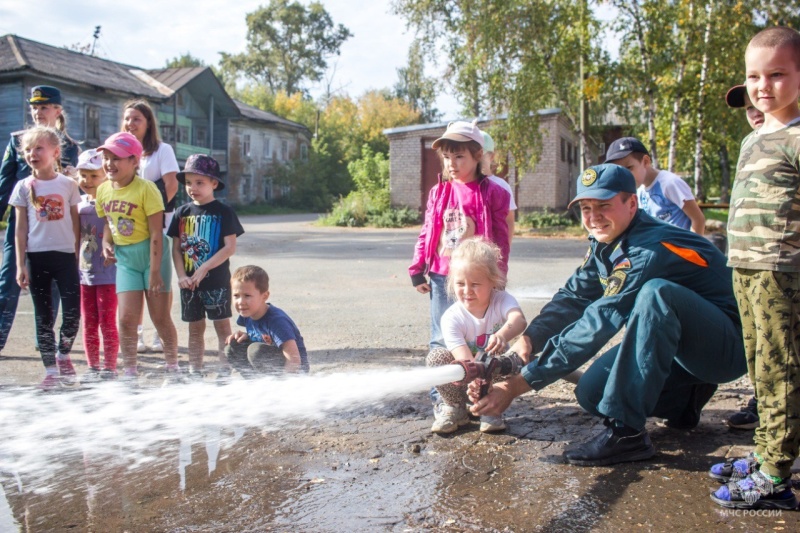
{"points": [[686, 253]]}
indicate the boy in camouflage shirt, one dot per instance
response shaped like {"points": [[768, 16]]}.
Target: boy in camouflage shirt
{"points": [[764, 249]]}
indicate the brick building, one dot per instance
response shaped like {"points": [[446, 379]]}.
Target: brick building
{"points": [[414, 165]]}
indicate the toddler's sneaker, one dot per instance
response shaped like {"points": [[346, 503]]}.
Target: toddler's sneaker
{"points": [[91, 376], [173, 376], [195, 376], [67, 372], [492, 424], [747, 417], [141, 347], [447, 419], [756, 491], [130, 376], [157, 346], [733, 470], [49, 383], [108, 374], [224, 374]]}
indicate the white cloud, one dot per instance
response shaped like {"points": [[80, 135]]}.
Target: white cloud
{"points": [[150, 32]]}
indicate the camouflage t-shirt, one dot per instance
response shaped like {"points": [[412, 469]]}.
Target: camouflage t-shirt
{"points": [[764, 218]]}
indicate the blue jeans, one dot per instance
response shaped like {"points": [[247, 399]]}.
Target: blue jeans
{"points": [[674, 339], [440, 302]]}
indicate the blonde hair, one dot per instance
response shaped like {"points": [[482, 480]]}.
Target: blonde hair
{"points": [[480, 255], [35, 134], [251, 273]]}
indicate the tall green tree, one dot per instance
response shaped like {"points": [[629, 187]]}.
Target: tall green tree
{"points": [[288, 44], [513, 58], [413, 86], [185, 60]]}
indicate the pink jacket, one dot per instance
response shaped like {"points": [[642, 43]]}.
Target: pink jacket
{"points": [[491, 223]]}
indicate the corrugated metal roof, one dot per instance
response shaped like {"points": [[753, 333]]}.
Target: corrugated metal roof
{"points": [[254, 113], [18, 54], [176, 78]]}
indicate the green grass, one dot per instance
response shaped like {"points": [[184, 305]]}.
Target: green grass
{"points": [[716, 214]]}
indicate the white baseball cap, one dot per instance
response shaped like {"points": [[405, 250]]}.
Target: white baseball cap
{"points": [[461, 131], [90, 160]]}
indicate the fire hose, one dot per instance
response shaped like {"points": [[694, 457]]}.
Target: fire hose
{"points": [[486, 367]]}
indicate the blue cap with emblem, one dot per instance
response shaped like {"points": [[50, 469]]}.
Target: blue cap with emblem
{"points": [[603, 182], [44, 94], [624, 147]]}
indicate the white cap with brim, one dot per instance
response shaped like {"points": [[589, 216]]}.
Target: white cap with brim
{"points": [[461, 131], [90, 160]]}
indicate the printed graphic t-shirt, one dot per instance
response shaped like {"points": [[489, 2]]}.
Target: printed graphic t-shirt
{"points": [[664, 199], [275, 328], [127, 209], [90, 262], [202, 230], [460, 327], [459, 214], [49, 218]]}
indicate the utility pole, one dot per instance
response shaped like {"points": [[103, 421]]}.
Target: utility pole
{"points": [[95, 36], [582, 74]]}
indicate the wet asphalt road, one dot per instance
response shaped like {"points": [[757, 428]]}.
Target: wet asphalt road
{"points": [[380, 469]]}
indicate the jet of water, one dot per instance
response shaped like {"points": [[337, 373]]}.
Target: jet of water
{"points": [[41, 431]]}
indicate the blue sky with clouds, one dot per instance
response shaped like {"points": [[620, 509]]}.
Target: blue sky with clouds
{"points": [[147, 33]]}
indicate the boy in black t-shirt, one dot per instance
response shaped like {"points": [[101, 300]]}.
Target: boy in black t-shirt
{"points": [[204, 235]]}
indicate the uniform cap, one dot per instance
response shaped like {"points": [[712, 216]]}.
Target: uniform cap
{"points": [[603, 182]]}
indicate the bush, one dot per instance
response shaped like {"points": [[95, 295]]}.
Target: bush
{"points": [[546, 219], [360, 209], [369, 204]]}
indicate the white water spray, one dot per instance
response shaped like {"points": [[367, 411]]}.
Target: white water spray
{"points": [[41, 431]]}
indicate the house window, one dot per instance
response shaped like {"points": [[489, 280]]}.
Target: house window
{"points": [[267, 149], [269, 193], [563, 149], [200, 136], [304, 152], [246, 145], [569, 153], [183, 135], [167, 134], [93, 122], [284, 150], [179, 98]]}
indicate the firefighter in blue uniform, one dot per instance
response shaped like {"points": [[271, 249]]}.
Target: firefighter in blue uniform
{"points": [[671, 291], [46, 110]]}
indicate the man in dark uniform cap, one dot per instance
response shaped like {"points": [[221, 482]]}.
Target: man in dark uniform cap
{"points": [[671, 291]]}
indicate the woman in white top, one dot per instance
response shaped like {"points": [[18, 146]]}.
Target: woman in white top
{"points": [[157, 164]]}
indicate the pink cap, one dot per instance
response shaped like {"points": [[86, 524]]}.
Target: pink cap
{"points": [[461, 131], [122, 144]]}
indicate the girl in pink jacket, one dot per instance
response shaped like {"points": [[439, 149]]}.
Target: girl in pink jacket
{"points": [[465, 203]]}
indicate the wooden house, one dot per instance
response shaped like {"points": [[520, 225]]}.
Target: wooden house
{"points": [[194, 112], [259, 141]]}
